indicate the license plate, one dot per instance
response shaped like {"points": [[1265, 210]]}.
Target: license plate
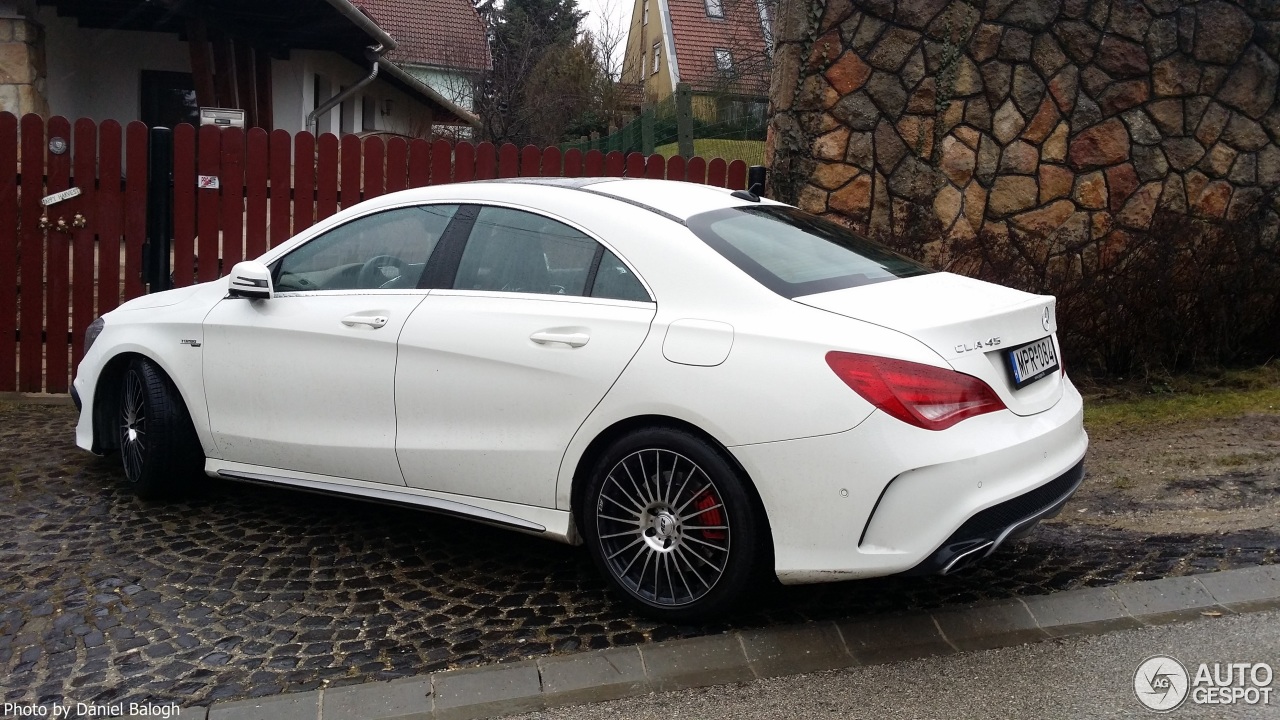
{"points": [[1032, 361]]}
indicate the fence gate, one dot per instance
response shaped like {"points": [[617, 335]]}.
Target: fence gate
{"points": [[69, 261], [235, 194]]}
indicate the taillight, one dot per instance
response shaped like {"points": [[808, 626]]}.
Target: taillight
{"points": [[923, 395]]}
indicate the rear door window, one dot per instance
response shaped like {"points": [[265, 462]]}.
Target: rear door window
{"points": [[794, 253], [512, 250]]}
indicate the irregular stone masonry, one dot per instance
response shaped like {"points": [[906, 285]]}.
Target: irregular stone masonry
{"points": [[1072, 120], [22, 67]]}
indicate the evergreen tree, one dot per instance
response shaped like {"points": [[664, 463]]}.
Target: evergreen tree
{"points": [[525, 36]]}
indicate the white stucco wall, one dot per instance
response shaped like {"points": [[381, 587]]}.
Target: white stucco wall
{"points": [[453, 86], [95, 73], [295, 94]]}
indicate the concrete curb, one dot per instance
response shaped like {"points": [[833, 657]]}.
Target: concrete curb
{"points": [[749, 654]]}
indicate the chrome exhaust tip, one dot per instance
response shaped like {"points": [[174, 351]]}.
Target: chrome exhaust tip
{"points": [[967, 557]]}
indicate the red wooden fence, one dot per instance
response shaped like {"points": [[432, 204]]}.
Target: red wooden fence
{"points": [[54, 281], [268, 187]]}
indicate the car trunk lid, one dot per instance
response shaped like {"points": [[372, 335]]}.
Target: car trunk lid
{"points": [[971, 324]]}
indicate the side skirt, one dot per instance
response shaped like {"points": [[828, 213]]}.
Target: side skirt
{"points": [[543, 522]]}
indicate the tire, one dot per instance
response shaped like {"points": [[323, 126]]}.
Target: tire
{"points": [[666, 502], [158, 444]]}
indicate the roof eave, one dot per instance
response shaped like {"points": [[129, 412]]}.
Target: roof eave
{"points": [[364, 22]]}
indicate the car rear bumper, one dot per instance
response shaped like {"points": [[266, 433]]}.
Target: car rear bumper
{"points": [[986, 531], [887, 498]]}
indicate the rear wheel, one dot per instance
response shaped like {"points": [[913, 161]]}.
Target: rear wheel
{"points": [[158, 445], [669, 522]]}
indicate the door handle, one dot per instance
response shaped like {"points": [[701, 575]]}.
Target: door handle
{"points": [[373, 321], [571, 339]]}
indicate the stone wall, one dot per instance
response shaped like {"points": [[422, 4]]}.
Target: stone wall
{"points": [[1064, 124], [22, 67]]}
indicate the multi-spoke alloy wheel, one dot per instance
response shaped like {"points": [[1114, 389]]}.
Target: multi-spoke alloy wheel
{"points": [[133, 426], [662, 527], [670, 524], [158, 445]]}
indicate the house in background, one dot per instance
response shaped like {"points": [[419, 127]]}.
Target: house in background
{"points": [[720, 48], [280, 61], [442, 43]]}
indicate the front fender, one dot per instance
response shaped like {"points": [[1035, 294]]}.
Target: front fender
{"points": [[171, 336]]}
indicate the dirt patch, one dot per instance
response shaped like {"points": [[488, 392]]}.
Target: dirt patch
{"points": [[1206, 478]]}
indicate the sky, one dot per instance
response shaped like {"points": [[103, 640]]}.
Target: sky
{"points": [[619, 10]]}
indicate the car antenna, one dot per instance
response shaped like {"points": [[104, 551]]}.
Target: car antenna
{"points": [[755, 185]]}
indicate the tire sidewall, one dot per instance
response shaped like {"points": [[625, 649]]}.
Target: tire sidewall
{"points": [[171, 452], [744, 539]]}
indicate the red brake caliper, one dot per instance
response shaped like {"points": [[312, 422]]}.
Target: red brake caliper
{"points": [[710, 516]]}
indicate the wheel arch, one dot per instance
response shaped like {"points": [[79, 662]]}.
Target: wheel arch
{"points": [[606, 437], [106, 396]]}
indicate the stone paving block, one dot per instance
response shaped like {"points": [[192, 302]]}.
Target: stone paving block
{"points": [[61, 490], [1088, 611], [1247, 585], [893, 638], [983, 627], [293, 706], [593, 676], [797, 649], [1165, 600], [697, 662], [487, 691], [407, 699]]}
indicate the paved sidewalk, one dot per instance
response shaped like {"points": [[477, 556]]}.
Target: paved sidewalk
{"points": [[1085, 677], [752, 654]]}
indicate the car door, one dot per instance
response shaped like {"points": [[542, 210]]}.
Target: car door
{"points": [[499, 367], [304, 381]]}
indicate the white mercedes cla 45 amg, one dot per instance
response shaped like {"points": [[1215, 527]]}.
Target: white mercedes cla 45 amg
{"points": [[702, 387]]}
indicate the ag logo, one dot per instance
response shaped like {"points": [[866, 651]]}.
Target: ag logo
{"points": [[1161, 683]]}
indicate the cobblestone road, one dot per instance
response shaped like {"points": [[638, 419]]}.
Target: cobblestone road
{"points": [[245, 591]]}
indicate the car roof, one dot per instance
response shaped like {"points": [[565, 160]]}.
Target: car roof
{"points": [[673, 199]]}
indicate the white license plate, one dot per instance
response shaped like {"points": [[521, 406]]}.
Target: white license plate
{"points": [[1032, 361]]}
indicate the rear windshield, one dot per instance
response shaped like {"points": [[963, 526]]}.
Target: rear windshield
{"points": [[794, 253]]}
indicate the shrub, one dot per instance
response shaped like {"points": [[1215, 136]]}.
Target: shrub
{"points": [[1185, 294]]}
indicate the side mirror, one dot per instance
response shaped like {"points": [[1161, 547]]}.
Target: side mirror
{"points": [[250, 279]]}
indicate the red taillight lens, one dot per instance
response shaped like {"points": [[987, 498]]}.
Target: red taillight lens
{"points": [[922, 395]]}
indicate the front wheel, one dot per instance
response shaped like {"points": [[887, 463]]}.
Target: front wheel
{"points": [[158, 444], [670, 523]]}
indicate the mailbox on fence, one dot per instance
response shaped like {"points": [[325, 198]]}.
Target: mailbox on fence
{"points": [[222, 117]]}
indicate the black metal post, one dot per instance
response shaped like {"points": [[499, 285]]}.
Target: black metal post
{"points": [[755, 179], [156, 271]]}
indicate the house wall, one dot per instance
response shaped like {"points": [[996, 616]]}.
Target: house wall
{"points": [[294, 86], [640, 39], [22, 65], [631, 72], [94, 73], [455, 87]]}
